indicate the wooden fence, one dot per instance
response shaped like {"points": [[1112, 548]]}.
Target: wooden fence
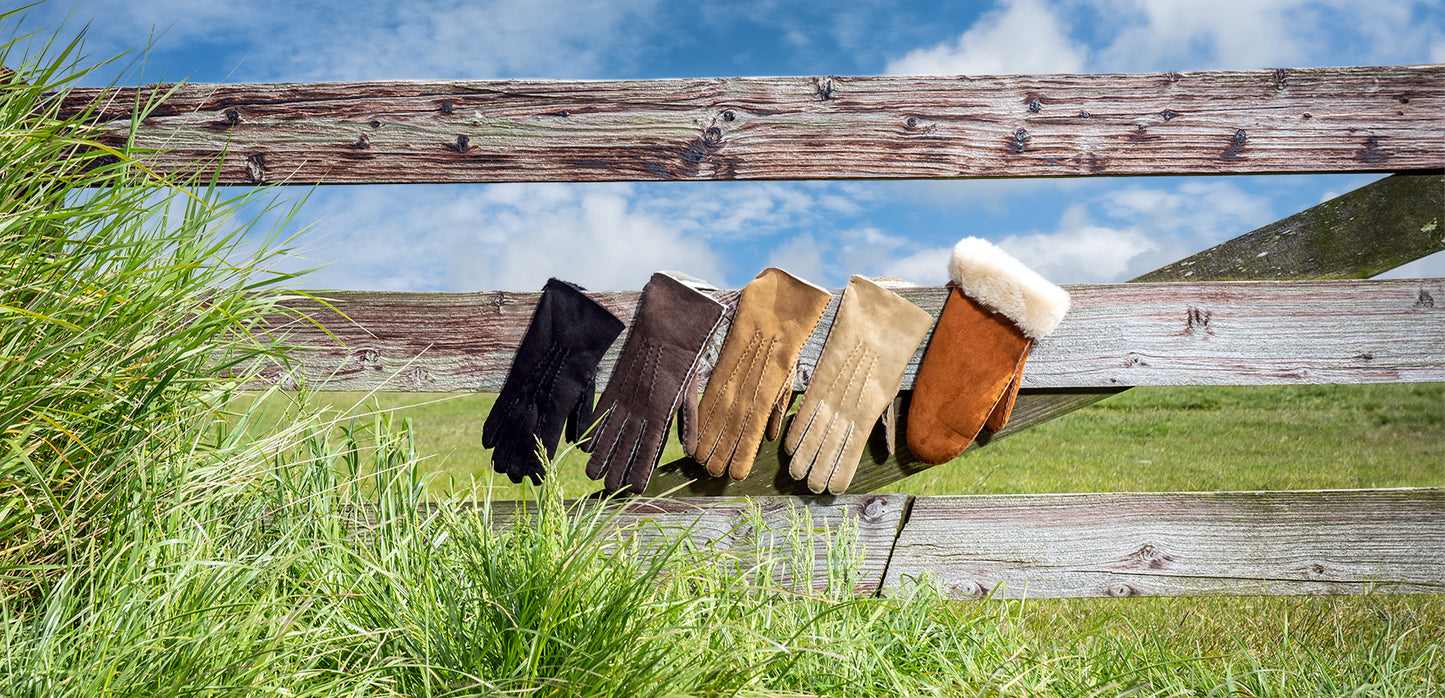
{"points": [[1286, 304]]}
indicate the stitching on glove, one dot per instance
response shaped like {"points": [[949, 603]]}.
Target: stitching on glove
{"points": [[837, 458]]}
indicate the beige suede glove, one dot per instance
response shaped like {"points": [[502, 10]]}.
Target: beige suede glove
{"points": [[873, 337], [752, 383]]}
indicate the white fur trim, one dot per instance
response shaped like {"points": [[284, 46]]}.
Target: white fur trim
{"points": [[1004, 285]]}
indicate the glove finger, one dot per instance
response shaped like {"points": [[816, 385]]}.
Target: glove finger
{"points": [[806, 457], [780, 408], [497, 420], [579, 420], [830, 448], [649, 451], [604, 446], [518, 451], [889, 422], [624, 454], [729, 382], [850, 453], [687, 415], [743, 430], [802, 421]]}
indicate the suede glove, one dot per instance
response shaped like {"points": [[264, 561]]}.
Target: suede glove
{"points": [[655, 374], [752, 383], [972, 369], [552, 382], [873, 336]]}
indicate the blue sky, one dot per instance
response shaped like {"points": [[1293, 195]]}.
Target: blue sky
{"points": [[612, 236]]}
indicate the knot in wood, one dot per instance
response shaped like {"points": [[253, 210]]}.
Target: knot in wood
{"points": [[1020, 141], [970, 589], [1035, 105], [1169, 114], [446, 107], [873, 509], [728, 115], [825, 89], [232, 115], [1120, 590], [712, 137], [256, 168], [1424, 300]]}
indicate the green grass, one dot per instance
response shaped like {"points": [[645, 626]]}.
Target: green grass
{"points": [[1145, 439]]}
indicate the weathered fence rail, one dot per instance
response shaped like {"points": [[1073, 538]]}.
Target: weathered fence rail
{"points": [[1215, 333], [1081, 545], [1304, 120], [1294, 329]]}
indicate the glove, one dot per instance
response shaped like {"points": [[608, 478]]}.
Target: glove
{"points": [[752, 382], [657, 368], [552, 381], [874, 335], [973, 366]]}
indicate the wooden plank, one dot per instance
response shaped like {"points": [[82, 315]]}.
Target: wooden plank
{"points": [[1218, 333], [1176, 544], [1355, 236], [796, 537], [1363, 119]]}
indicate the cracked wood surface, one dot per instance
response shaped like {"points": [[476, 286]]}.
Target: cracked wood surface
{"points": [[1356, 119], [1060, 545], [1176, 543]]}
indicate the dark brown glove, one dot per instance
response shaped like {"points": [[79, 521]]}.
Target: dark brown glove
{"points": [[974, 363], [654, 373], [752, 383]]}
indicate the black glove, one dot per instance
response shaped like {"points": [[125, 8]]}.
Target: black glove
{"points": [[552, 381], [655, 374]]}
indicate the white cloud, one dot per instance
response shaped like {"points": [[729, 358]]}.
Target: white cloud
{"points": [[280, 40], [1022, 36], [508, 237], [1080, 251], [831, 257], [1117, 235], [1152, 35]]}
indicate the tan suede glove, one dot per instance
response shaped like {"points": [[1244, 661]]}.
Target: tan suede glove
{"points": [[874, 335], [752, 383], [974, 363]]}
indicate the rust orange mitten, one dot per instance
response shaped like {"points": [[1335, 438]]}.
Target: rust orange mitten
{"points": [[972, 369]]}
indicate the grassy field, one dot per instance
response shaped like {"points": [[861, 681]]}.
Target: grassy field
{"points": [[1153, 439], [1145, 439]]}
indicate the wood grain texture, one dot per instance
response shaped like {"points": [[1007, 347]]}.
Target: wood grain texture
{"points": [[1066, 545], [1218, 333], [1287, 120], [1365, 232], [795, 536], [1176, 544]]}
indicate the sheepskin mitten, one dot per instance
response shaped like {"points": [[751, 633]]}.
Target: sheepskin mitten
{"points": [[552, 382], [655, 375], [971, 371], [873, 336], [752, 384]]}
